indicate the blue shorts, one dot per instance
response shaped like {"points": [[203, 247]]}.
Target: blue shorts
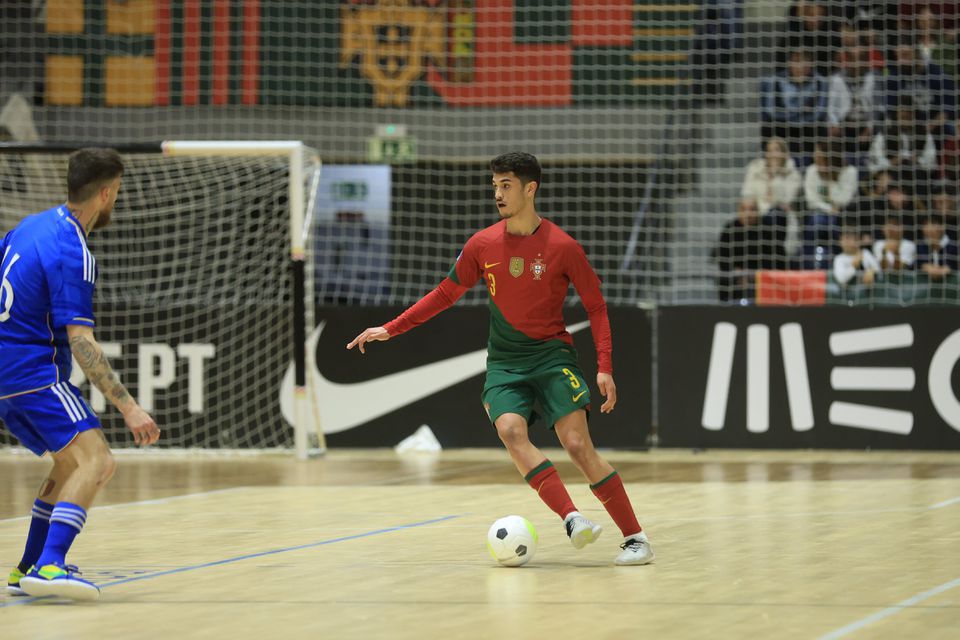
{"points": [[49, 419]]}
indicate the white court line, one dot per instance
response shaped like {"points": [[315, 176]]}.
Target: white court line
{"points": [[140, 502], [439, 474], [889, 611], [805, 514], [946, 503], [798, 514]]}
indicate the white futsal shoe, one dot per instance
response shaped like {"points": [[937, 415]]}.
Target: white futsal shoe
{"points": [[580, 530], [636, 550], [61, 580]]}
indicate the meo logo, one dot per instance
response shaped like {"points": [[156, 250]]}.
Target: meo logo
{"points": [[842, 378]]}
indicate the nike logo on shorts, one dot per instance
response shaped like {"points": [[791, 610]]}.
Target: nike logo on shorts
{"points": [[343, 406], [578, 396]]}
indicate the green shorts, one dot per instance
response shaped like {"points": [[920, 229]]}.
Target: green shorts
{"points": [[551, 391]]}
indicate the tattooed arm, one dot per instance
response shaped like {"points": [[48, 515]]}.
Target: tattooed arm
{"points": [[89, 355]]}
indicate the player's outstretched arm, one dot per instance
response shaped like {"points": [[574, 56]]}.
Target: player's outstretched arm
{"points": [[369, 335], [443, 297], [89, 355], [608, 389]]}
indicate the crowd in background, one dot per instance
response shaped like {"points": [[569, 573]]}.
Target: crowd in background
{"points": [[860, 160]]}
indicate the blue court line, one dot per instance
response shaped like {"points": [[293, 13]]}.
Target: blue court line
{"points": [[249, 556]]}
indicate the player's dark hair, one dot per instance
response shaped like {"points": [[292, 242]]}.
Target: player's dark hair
{"points": [[900, 39], [801, 52], [90, 169], [935, 218], [942, 189], [523, 165]]}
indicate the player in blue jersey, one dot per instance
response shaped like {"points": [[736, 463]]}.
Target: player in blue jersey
{"points": [[46, 316]]}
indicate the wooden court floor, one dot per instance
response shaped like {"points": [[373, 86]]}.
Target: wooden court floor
{"points": [[369, 544]]}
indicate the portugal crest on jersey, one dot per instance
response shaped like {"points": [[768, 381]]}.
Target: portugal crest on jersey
{"points": [[516, 267], [538, 268]]}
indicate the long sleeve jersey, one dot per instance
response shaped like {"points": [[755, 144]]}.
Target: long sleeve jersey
{"points": [[527, 278]]}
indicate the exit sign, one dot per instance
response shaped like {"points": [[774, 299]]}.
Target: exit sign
{"points": [[391, 149]]}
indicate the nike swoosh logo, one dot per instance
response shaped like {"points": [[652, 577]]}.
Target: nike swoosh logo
{"points": [[488, 266], [344, 406], [578, 396]]}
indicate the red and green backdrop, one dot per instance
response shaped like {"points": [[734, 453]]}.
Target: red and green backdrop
{"points": [[364, 53]]}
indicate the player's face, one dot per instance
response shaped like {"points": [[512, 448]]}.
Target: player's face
{"points": [[849, 243], [892, 230], [510, 195], [776, 158], [933, 231], [109, 197]]}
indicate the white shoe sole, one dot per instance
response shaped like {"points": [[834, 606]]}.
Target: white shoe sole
{"points": [[15, 591], [635, 560], [63, 588], [585, 537]]}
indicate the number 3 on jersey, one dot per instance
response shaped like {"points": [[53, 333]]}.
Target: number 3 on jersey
{"points": [[6, 289], [492, 284], [574, 381]]}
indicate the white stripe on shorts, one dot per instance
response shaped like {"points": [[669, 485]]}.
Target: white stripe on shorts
{"points": [[75, 400], [71, 411]]}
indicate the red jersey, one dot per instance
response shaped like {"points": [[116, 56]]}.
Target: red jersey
{"points": [[527, 278]]}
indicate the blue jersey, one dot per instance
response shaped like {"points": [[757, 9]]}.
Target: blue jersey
{"points": [[48, 276]]}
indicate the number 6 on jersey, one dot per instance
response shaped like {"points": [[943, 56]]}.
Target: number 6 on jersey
{"points": [[6, 289]]}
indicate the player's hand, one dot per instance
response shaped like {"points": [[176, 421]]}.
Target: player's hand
{"points": [[145, 430], [608, 389], [369, 335]]}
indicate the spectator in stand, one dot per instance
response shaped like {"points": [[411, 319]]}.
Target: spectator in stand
{"points": [[794, 104], [884, 198], [813, 26], [746, 244], [869, 213], [936, 254], [860, 25], [946, 9], [875, 52], [773, 183], [933, 94], [894, 252], [907, 149], [935, 26], [829, 185], [944, 203], [855, 264], [854, 105], [936, 39]]}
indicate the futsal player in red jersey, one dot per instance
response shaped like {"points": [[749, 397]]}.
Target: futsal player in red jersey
{"points": [[527, 263]]}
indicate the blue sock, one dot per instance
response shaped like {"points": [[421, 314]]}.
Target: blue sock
{"points": [[66, 522], [37, 536]]}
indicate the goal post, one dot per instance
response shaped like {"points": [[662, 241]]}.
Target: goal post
{"points": [[203, 302]]}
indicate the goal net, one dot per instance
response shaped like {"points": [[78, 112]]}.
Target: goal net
{"points": [[195, 304], [646, 116]]}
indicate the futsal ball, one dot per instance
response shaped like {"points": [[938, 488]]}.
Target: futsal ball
{"points": [[512, 541]]}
